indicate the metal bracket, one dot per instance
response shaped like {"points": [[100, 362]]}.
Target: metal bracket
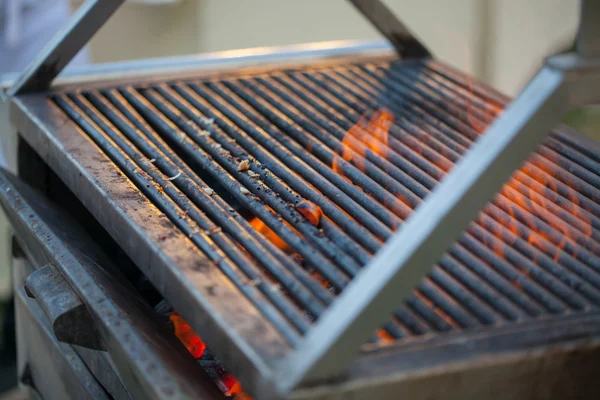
{"points": [[565, 81], [68, 315], [383, 19], [65, 45]]}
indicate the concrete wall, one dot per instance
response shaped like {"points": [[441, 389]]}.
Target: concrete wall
{"points": [[451, 29], [521, 34], [500, 41]]}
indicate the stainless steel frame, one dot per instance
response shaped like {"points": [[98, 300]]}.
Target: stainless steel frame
{"points": [[406, 44], [65, 45]]}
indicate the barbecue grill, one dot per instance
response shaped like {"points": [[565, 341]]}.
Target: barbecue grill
{"points": [[182, 222]]}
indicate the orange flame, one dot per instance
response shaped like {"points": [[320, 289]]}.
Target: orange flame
{"points": [[269, 234], [365, 136]]}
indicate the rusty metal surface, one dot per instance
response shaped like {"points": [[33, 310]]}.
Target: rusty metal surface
{"points": [[148, 358]]}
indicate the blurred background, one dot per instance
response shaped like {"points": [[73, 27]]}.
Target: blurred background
{"points": [[501, 42]]}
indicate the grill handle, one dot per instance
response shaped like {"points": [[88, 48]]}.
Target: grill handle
{"points": [[68, 315]]}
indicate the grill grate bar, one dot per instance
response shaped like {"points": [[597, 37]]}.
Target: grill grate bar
{"points": [[446, 305], [261, 210], [215, 206], [382, 171], [272, 180], [551, 160], [540, 226], [347, 118], [269, 195], [228, 118], [345, 126], [310, 136], [460, 101], [324, 109], [558, 289], [211, 231], [331, 182], [175, 214], [564, 171], [389, 327], [547, 165], [326, 154], [277, 263]]}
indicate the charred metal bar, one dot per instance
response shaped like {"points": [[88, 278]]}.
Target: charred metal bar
{"points": [[583, 162], [383, 171], [347, 119], [413, 323], [442, 304], [449, 208], [563, 257], [192, 150], [223, 210], [280, 171], [498, 273], [310, 232], [418, 107], [320, 115], [316, 147], [282, 146], [287, 273], [480, 286], [309, 114], [477, 88], [526, 168], [320, 92], [359, 101], [436, 319], [438, 92], [412, 115], [438, 296], [229, 248], [200, 239], [423, 96], [420, 155], [447, 283]]}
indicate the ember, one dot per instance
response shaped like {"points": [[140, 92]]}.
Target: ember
{"points": [[196, 347], [186, 335], [310, 211], [366, 136]]}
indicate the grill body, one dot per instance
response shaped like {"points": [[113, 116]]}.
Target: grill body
{"points": [[157, 162]]}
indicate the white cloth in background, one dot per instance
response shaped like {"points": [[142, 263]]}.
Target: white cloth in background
{"points": [[25, 28]]}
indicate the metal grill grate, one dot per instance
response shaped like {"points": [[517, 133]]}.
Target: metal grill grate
{"points": [[532, 252]]}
